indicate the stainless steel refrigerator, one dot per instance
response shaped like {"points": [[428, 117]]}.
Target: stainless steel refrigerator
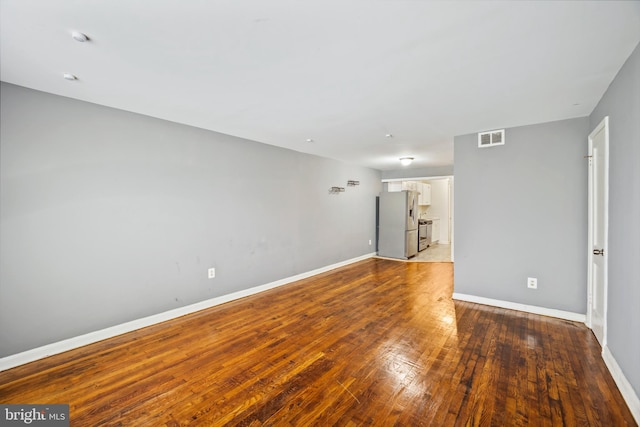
{"points": [[398, 224]]}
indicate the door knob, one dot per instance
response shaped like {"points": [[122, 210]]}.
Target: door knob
{"points": [[598, 252]]}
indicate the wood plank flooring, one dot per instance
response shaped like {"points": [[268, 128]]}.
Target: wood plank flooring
{"points": [[376, 343]]}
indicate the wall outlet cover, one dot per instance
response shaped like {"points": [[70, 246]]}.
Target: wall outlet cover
{"points": [[212, 273], [532, 283]]}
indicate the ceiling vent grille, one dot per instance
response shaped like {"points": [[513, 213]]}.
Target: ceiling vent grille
{"points": [[491, 138]]}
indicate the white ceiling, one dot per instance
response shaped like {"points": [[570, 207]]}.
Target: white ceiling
{"points": [[344, 73]]}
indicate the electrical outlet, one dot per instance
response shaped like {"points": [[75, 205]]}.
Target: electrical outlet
{"points": [[532, 283], [369, 242], [212, 273]]}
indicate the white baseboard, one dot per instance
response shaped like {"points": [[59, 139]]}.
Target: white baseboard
{"points": [[92, 337], [627, 391], [551, 312]]}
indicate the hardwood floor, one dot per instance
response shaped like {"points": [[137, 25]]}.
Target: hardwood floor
{"points": [[379, 343]]}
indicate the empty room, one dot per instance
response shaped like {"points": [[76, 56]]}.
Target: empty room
{"points": [[322, 213]]}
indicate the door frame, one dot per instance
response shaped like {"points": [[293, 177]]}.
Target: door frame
{"points": [[431, 178], [604, 124]]}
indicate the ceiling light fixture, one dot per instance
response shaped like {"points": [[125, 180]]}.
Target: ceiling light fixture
{"points": [[79, 37], [406, 161], [69, 76], [388, 135], [309, 140]]}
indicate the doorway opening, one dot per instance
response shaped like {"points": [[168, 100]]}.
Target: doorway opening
{"points": [[435, 209]]}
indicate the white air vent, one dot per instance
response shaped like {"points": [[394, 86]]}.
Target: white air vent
{"points": [[491, 138]]}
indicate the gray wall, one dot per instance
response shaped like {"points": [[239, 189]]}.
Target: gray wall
{"points": [[109, 216], [418, 172], [521, 211], [621, 102]]}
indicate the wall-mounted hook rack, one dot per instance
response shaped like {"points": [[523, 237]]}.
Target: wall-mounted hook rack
{"points": [[352, 183]]}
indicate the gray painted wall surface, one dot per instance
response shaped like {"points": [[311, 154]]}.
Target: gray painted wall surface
{"points": [[520, 211], [621, 102], [418, 172], [109, 216]]}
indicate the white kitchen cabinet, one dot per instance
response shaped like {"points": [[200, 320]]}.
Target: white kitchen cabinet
{"points": [[393, 186], [410, 185], [425, 194], [435, 231]]}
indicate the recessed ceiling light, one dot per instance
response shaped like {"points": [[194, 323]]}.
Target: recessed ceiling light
{"points": [[388, 135], [78, 36], [69, 76], [406, 161], [309, 140]]}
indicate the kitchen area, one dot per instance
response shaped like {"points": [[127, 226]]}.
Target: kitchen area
{"points": [[415, 220]]}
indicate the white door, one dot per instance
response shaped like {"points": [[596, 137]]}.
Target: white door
{"points": [[598, 224]]}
